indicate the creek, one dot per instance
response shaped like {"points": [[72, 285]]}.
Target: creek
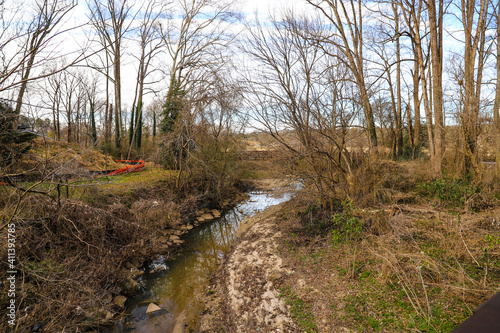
{"points": [[179, 289]]}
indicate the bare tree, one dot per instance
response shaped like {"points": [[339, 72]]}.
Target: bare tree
{"points": [[347, 18], [303, 98], [196, 45], [496, 107], [436, 16], [51, 90], [112, 19], [414, 16], [20, 64], [150, 46], [474, 21], [389, 57]]}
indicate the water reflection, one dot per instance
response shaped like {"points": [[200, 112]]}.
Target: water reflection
{"points": [[179, 289]]}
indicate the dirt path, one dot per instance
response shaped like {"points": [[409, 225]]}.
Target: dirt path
{"points": [[246, 298]]}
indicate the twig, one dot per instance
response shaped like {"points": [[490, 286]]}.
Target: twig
{"points": [[465, 244]]}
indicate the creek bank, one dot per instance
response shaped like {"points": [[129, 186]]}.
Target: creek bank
{"points": [[183, 282], [81, 259], [167, 244], [244, 295]]}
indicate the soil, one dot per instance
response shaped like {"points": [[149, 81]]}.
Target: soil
{"points": [[246, 296]]}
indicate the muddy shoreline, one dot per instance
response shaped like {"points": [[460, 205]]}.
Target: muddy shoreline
{"points": [[243, 296]]}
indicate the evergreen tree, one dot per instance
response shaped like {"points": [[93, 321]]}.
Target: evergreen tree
{"points": [[172, 107], [131, 128], [13, 143], [92, 120]]}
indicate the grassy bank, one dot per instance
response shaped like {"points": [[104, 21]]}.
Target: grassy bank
{"points": [[412, 254]]}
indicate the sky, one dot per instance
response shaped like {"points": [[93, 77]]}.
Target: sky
{"points": [[248, 8]]}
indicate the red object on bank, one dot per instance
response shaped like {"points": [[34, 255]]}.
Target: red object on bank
{"points": [[133, 167]]}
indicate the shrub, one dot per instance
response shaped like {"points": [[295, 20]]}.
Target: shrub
{"points": [[347, 226], [452, 192]]}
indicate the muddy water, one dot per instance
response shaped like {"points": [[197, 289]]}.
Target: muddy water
{"points": [[178, 290]]}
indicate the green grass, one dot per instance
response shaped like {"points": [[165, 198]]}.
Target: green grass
{"points": [[375, 308], [299, 309]]}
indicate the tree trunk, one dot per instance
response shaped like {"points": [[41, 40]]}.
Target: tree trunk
{"points": [[416, 104], [496, 106], [474, 49], [117, 128], [138, 128], [398, 120], [131, 127], [92, 121], [117, 82], [436, 38]]}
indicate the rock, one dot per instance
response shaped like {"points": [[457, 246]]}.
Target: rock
{"points": [[157, 269], [215, 213], [152, 308], [163, 248], [207, 216], [130, 284], [120, 301], [135, 273], [165, 233]]}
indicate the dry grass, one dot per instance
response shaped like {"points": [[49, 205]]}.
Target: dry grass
{"points": [[69, 257], [71, 156], [417, 264], [71, 253]]}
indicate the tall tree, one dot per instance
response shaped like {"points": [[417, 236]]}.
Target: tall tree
{"points": [[347, 18], [304, 93], [195, 45], [47, 16], [414, 16], [474, 22], [436, 16], [496, 106], [385, 43], [150, 46], [112, 19]]}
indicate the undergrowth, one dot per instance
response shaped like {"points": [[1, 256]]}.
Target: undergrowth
{"points": [[451, 192], [394, 266]]}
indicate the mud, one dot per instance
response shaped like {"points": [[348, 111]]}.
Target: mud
{"points": [[245, 297]]}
